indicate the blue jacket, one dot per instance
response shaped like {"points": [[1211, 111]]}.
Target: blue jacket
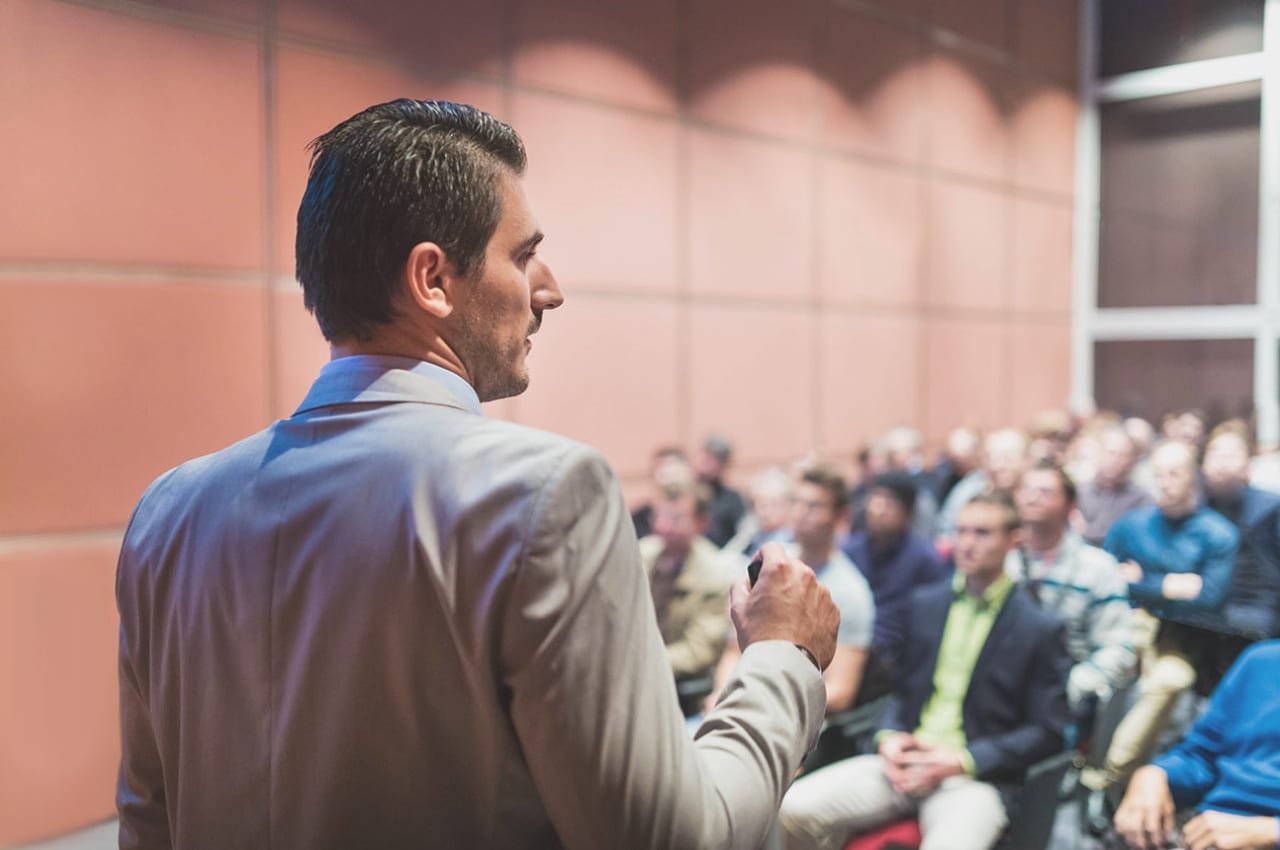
{"points": [[1230, 761], [1015, 710], [1202, 542]]}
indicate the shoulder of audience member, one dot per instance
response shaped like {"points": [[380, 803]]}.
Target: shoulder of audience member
{"points": [[1216, 525]]}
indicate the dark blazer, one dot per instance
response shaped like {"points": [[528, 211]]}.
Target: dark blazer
{"points": [[1015, 711]]}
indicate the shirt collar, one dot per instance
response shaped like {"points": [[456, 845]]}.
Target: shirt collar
{"points": [[993, 596], [454, 383]]}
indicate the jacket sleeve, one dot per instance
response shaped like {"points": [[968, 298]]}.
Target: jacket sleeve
{"points": [[1046, 714], [593, 701], [1192, 767], [1111, 634], [1219, 566], [140, 794]]}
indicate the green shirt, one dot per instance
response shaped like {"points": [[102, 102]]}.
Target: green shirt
{"points": [[969, 622]]}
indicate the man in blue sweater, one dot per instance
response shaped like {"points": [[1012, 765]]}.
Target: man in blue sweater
{"points": [[1178, 557], [1228, 767]]}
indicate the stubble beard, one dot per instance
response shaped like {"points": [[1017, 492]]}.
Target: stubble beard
{"points": [[496, 372]]}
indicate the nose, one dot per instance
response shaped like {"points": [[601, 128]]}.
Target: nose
{"points": [[544, 289]]}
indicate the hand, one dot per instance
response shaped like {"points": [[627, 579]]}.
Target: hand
{"points": [[788, 604], [1145, 817], [923, 769], [893, 746], [1131, 572], [1181, 586], [1230, 832]]}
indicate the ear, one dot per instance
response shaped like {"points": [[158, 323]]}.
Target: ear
{"points": [[429, 279]]}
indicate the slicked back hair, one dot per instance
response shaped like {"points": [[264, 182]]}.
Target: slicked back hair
{"points": [[384, 180]]}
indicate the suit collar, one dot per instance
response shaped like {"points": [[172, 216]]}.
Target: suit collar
{"points": [[366, 378]]}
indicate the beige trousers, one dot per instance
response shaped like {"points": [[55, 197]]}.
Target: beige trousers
{"points": [[823, 809], [1167, 674]]}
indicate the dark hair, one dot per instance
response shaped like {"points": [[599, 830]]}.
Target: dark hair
{"points": [[384, 180], [1001, 500], [831, 481], [1064, 478]]}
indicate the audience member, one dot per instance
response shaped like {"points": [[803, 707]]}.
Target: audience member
{"points": [[1252, 605], [1078, 583], [1112, 492], [960, 456], [1144, 439], [688, 580], [1178, 558], [1004, 455], [1185, 426], [668, 465], [905, 446], [1228, 768], [980, 696], [818, 506], [770, 514], [1051, 432], [727, 505], [894, 560]]}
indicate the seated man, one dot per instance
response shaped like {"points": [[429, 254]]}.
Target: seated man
{"points": [[688, 580], [770, 516], [1078, 583], [668, 465], [1178, 558], [1252, 606], [980, 696], [1228, 768], [893, 558], [819, 502]]}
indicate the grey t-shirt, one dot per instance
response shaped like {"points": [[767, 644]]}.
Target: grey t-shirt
{"points": [[852, 595]]}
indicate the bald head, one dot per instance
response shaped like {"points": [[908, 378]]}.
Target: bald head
{"points": [[1174, 465], [1005, 455]]}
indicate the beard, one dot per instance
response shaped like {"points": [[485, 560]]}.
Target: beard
{"points": [[496, 366]]}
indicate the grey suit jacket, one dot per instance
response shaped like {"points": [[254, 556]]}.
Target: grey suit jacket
{"points": [[389, 621]]}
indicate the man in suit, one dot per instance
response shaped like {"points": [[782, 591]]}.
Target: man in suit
{"points": [[389, 621], [980, 696]]}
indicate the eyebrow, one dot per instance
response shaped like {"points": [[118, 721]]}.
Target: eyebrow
{"points": [[528, 243]]}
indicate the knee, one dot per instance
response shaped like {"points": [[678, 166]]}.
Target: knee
{"points": [[800, 829], [1170, 674]]}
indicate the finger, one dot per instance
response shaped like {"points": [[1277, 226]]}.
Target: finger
{"points": [[773, 556], [1152, 832], [1195, 830]]}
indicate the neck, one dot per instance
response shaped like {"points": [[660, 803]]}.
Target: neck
{"points": [[886, 539], [815, 554], [1176, 512], [976, 584], [395, 340], [1044, 537]]}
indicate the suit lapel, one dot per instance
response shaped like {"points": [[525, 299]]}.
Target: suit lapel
{"points": [[935, 610]]}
